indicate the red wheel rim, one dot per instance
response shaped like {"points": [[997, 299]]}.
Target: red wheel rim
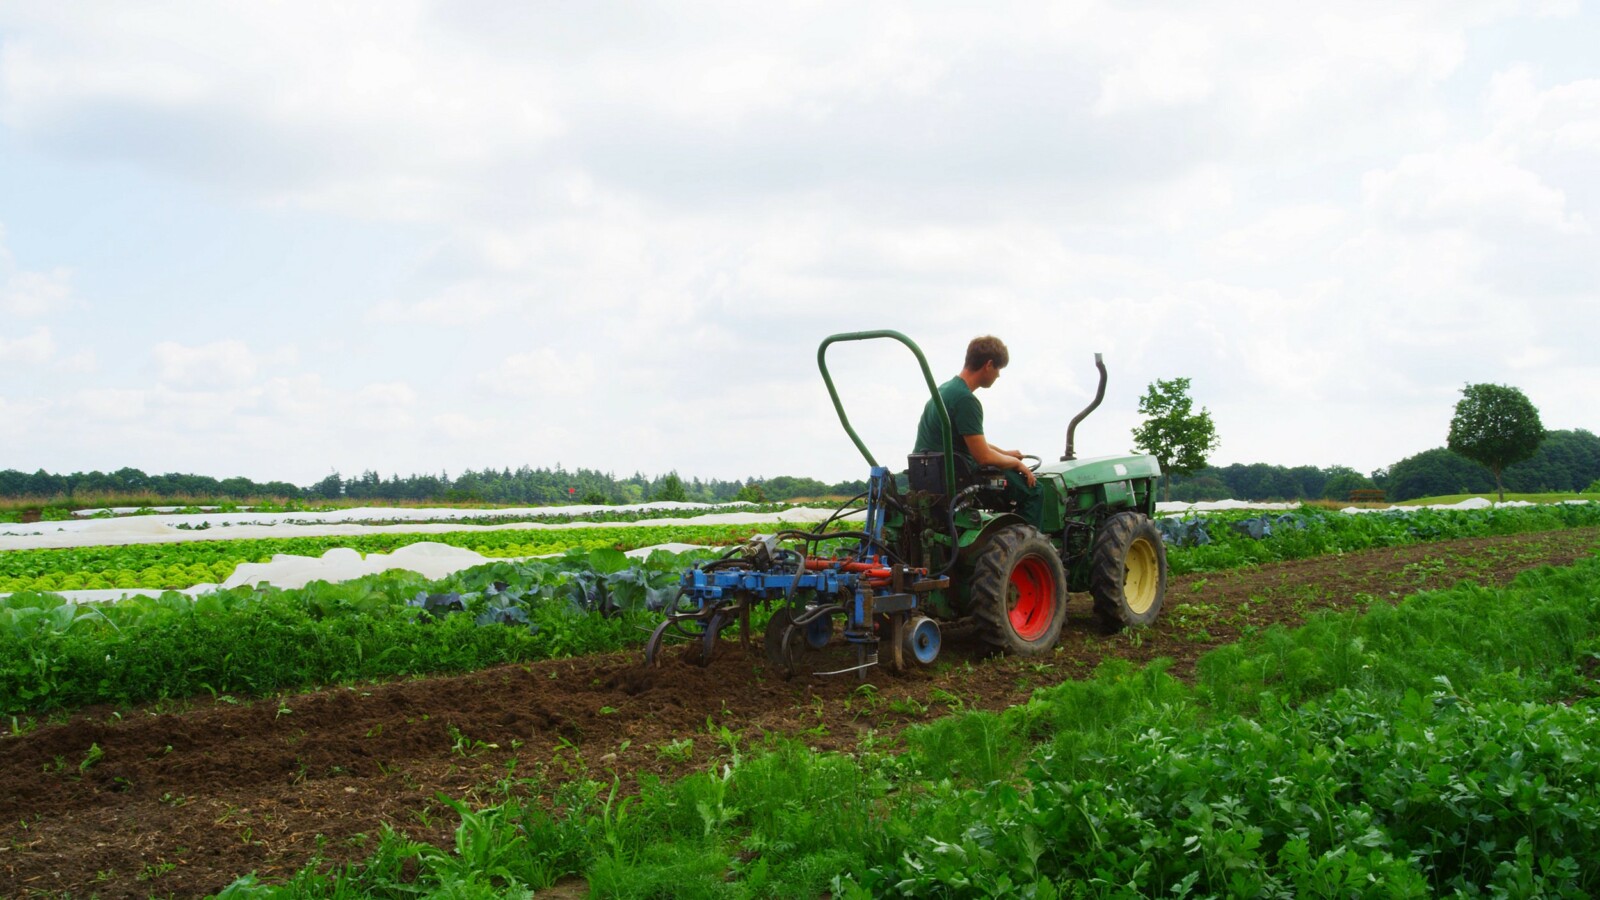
{"points": [[1033, 599]]}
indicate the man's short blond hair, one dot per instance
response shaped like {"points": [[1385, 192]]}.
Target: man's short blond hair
{"points": [[982, 349]]}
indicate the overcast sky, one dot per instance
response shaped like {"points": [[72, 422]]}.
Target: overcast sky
{"points": [[275, 239]]}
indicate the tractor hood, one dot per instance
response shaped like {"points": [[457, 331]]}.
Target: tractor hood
{"points": [[1102, 469]]}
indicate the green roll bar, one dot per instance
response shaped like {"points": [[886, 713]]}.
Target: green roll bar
{"points": [[927, 375]]}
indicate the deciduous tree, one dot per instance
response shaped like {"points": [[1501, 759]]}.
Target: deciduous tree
{"points": [[1495, 425], [1177, 436]]}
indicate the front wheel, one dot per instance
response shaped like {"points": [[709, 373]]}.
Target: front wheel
{"points": [[1129, 580], [1019, 591]]}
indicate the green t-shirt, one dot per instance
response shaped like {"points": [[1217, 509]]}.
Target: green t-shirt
{"points": [[966, 417]]}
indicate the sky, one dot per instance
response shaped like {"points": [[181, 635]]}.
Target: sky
{"points": [[279, 239]]}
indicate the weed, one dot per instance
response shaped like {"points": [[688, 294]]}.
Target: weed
{"points": [[680, 750], [908, 706], [461, 745], [155, 870], [90, 758]]}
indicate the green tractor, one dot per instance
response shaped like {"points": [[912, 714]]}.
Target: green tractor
{"points": [[940, 545]]}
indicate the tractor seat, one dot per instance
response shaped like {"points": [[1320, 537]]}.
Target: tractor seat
{"points": [[925, 472]]}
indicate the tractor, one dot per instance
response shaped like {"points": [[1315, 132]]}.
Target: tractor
{"points": [[938, 544]]}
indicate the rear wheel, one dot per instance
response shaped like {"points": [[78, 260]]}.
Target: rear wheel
{"points": [[1129, 580], [1019, 591]]}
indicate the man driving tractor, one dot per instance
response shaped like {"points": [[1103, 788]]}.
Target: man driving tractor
{"points": [[986, 356]]}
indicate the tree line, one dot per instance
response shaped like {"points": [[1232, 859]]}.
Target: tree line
{"points": [[523, 486], [1565, 461], [1496, 442]]}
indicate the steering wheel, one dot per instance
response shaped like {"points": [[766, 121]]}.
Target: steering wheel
{"points": [[1036, 461]]}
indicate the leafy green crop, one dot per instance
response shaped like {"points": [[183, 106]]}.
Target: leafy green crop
{"points": [[55, 654], [176, 566], [1447, 746], [1315, 532]]}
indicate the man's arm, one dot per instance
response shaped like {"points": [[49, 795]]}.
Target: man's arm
{"points": [[985, 455]]}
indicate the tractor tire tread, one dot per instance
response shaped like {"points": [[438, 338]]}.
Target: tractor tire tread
{"points": [[1108, 570], [991, 578]]}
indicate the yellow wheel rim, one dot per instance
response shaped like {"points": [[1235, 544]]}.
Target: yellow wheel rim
{"points": [[1141, 577]]}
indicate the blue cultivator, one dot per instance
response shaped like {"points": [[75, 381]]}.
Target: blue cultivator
{"points": [[875, 596]]}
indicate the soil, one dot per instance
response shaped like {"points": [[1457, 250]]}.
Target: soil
{"points": [[181, 799]]}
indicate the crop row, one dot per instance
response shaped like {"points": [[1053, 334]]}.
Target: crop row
{"points": [[1448, 746], [1315, 532], [1303, 534], [60, 655], [56, 655], [180, 565]]}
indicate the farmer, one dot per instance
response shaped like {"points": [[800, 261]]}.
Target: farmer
{"points": [[986, 356]]}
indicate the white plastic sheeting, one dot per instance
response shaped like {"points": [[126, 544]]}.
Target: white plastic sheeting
{"points": [[339, 564], [164, 530]]}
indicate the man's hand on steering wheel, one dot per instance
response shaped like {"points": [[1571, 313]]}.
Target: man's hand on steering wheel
{"points": [[1025, 470]]}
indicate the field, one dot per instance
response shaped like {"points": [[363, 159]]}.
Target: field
{"points": [[1145, 762]]}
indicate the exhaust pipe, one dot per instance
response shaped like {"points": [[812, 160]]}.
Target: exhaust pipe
{"points": [[1098, 396]]}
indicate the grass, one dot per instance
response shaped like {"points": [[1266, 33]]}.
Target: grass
{"points": [[1493, 497]]}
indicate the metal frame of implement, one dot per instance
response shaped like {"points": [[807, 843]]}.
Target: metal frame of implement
{"points": [[878, 599]]}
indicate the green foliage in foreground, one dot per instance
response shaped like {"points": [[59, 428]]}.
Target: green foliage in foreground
{"points": [[1449, 745], [58, 655]]}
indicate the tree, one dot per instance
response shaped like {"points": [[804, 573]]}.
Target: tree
{"points": [[671, 488], [1175, 435], [1433, 473], [1342, 480], [1565, 461], [1495, 425]]}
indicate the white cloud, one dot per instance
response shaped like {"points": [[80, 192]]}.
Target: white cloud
{"points": [[1564, 119], [1467, 187], [111, 404], [555, 373], [467, 303], [227, 362], [36, 293], [28, 293], [34, 349]]}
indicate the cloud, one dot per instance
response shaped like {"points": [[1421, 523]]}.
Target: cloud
{"points": [[467, 303], [111, 404], [32, 294], [227, 362], [36, 348], [1560, 120], [1467, 187], [555, 373]]}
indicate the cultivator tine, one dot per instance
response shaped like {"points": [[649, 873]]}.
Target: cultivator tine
{"points": [[868, 660]]}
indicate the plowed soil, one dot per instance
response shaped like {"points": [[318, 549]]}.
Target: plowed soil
{"points": [[179, 801]]}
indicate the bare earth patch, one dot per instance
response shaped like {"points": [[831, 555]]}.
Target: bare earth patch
{"points": [[179, 801]]}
